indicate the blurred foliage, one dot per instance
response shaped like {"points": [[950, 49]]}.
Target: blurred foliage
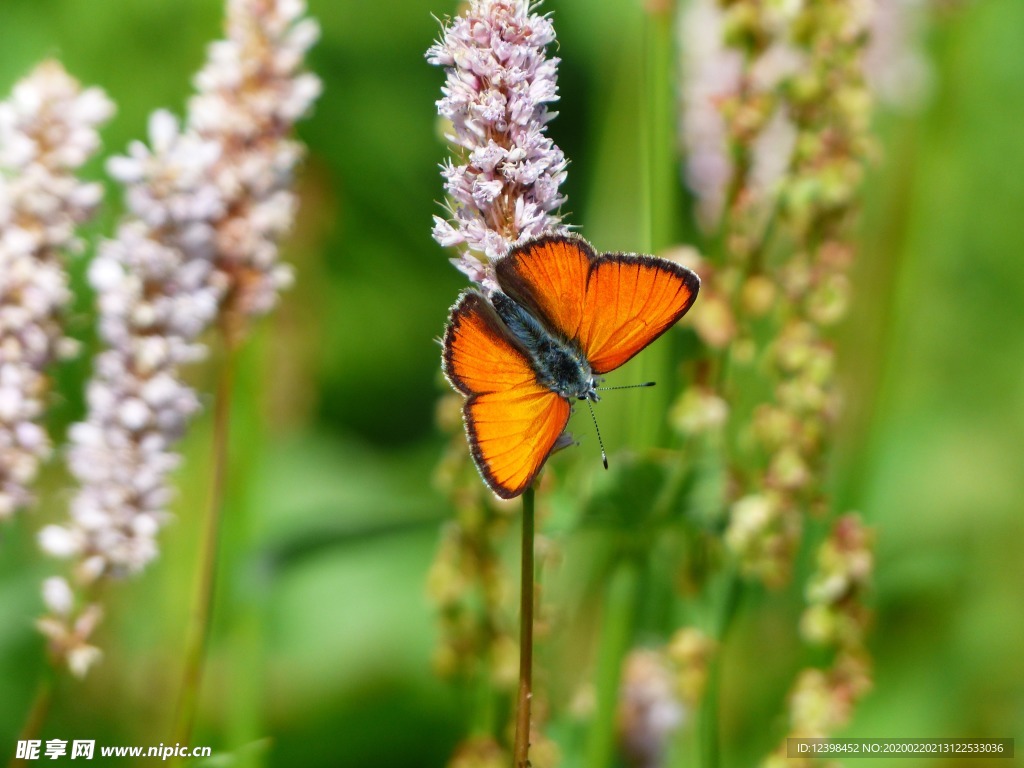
{"points": [[322, 644]]}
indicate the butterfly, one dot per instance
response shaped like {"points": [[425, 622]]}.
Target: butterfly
{"points": [[562, 315]]}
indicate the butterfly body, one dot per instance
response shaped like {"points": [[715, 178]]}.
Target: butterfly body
{"points": [[562, 316], [560, 364]]}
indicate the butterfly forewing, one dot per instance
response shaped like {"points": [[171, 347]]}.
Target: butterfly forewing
{"points": [[549, 276], [512, 421], [631, 301], [612, 305]]}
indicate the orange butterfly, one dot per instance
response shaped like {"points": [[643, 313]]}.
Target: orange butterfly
{"points": [[562, 316]]}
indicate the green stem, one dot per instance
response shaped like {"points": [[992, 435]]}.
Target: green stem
{"points": [[709, 718], [247, 581], [522, 743], [616, 635], [659, 188], [710, 731], [202, 607], [661, 162], [484, 700], [38, 711]]}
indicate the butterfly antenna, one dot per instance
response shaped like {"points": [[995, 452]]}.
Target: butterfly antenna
{"points": [[600, 442], [629, 386]]}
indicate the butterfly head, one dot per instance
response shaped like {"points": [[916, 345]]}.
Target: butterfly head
{"points": [[590, 390]]}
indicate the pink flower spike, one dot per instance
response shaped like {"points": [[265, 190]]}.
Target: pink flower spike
{"points": [[208, 200], [503, 186], [48, 129]]}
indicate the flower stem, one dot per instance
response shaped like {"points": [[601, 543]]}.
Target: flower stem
{"points": [[659, 185], [38, 711], [202, 607], [660, 159], [522, 744], [616, 637], [710, 727]]}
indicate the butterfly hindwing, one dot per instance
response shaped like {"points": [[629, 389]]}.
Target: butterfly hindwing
{"points": [[512, 433], [512, 421], [613, 305]]}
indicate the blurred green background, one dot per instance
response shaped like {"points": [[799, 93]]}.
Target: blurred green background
{"points": [[323, 635]]}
